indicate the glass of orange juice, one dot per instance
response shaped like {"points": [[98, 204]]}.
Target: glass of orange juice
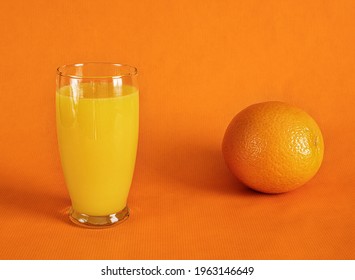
{"points": [[97, 115]]}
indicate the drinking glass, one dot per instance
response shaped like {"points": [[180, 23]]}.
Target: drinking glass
{"points": [[97, 115]]}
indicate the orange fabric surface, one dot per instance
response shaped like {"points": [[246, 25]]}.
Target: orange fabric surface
{"points": [[200, 63]]}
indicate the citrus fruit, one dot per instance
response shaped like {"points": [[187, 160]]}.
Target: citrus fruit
{"points": [[273, 147]]}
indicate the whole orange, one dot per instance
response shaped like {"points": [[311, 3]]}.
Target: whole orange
{"points": [[273, 147]]}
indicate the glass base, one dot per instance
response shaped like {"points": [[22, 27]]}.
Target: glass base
{"points": [[85, 220]]}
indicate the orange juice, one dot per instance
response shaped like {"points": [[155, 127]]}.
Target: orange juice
{"points": [[97, 132]]}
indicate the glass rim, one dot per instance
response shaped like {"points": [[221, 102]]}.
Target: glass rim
{"points": [[131, 70]]}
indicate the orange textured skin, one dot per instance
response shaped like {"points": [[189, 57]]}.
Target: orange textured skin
{"points": [[273, 147]]}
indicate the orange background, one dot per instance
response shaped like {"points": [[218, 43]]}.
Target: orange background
{"points": [[200, 63]]}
